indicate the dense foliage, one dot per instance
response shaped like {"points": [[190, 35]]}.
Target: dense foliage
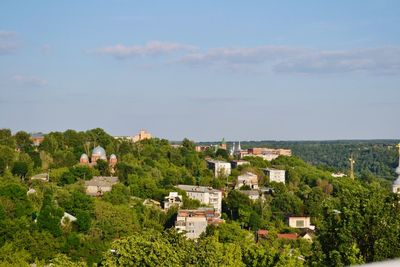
{"points": [[357, 221]]}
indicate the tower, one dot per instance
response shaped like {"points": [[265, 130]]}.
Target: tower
{"points": [[232, 150], [396, 183], [352, 162]]}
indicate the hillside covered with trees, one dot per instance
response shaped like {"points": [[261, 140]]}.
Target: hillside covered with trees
{"points": [[357, 221]]}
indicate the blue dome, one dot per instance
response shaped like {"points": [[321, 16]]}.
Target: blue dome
{"points": [[100, 152]]}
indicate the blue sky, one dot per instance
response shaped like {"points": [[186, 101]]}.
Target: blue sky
{"points": [[244, 70]]}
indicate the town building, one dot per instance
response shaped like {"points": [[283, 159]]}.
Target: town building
{"points": [[247, 179], [237, 163], [302, 222], [275, 175], [37, 138], [98, 153], [220, 168], [201, 148], [194, 222], [265, 233], [206, 195], [142, 135], [98, 185], [173, 199], [269, 154]]}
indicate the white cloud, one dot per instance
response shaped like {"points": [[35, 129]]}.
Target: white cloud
{"points": [[282, 59], [151, 48], [8, 42], [28, 80], [269, 58]]}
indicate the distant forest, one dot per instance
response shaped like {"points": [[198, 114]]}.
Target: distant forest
{"points": [[373, 157]]}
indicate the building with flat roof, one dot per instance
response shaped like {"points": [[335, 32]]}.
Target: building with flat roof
{"points": [[220, 168], [194, 222], [302, 222], [206, 195], [275, 175]]}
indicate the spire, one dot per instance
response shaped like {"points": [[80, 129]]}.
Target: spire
{"points": [[239, 148], [232, 151]]}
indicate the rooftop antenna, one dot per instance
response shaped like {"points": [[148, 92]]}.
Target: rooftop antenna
{"points": [[352, 162]]}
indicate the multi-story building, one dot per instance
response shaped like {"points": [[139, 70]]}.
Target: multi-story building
{"points": [[220, 168], [142, 135], [194, 222], [269, 153], [275, 175], [206, 195], [250, 179], [173, 199]]}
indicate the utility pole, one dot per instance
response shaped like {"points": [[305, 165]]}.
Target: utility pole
{"points": [[352, 162]]}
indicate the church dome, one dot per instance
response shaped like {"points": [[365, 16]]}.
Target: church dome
{"points": [[84, 156], [113, 156], [100, 152]]}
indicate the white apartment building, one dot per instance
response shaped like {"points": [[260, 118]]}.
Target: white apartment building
{"points": [[275, 175], [250, 179], [206, 195], [220, 168], [194, 222]]}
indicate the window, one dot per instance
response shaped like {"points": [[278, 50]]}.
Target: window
{"points": [[300, 223]]}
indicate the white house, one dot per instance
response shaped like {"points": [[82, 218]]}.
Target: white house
{"points": [[275, 175], [206, 195], [250, 179], [173, 199], [220, 168], [302, 222]]}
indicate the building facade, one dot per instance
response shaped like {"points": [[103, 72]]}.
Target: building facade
{"points": [[220, 168], [194, 222], [173, 199], [206, 195], [247, 179], [275, 175]]}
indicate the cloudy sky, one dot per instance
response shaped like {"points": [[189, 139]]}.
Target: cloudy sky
{"points": [[243, 70]]}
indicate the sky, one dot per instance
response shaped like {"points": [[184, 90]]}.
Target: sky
{"points": [[243, 70]]}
